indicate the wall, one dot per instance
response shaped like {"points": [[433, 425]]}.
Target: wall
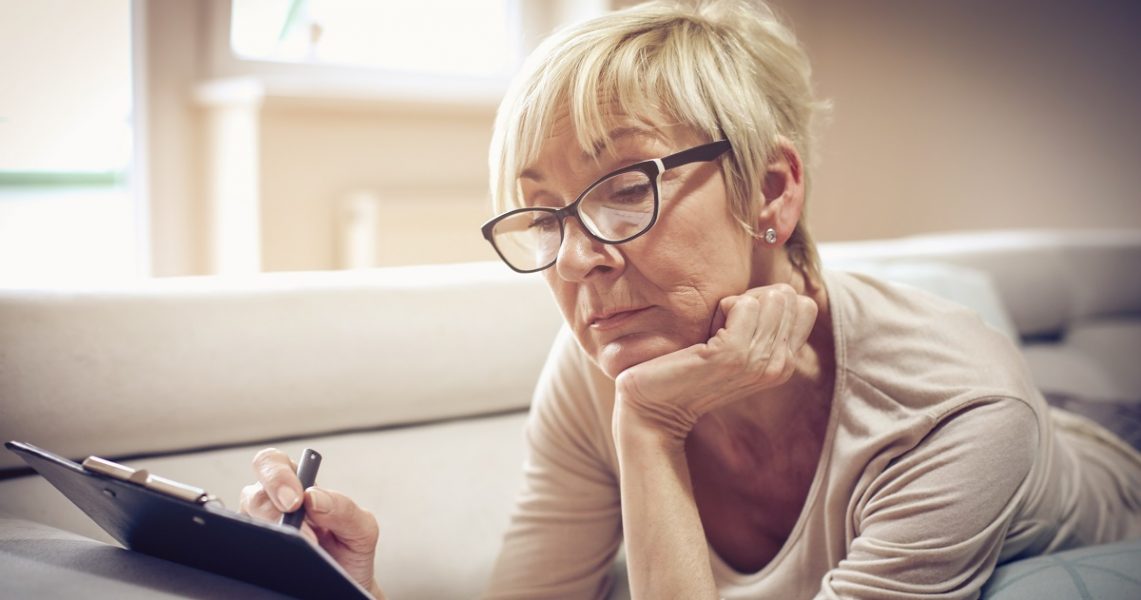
{"points": [[169, 154], [956, 115], [426, 166], [974, 114], [425, 162], [66, 211]]}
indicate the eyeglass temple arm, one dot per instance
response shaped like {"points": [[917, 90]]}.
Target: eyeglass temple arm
{"points": [[700, 153]]}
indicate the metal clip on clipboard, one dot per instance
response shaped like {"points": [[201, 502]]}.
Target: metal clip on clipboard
{"points": [[155, 483]]}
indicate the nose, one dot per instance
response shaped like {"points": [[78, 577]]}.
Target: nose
{"points": [[580, 254]]}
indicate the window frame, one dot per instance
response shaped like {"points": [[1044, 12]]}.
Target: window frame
{"points": [[302, 80]]}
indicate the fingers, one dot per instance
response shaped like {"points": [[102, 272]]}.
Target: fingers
{"points": [[278, 477], [718, 321], [355, 528], [332, 521], [805, 311], [742, 318], [772, 323], [346, 531], [778, 300], [254, 502]]}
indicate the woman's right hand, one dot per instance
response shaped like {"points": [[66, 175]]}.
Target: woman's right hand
{"points": [[756, 341], [344, 530]]}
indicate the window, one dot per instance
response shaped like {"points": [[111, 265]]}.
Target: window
{"points": [[65, 141], [394, 36], [460, 53]]}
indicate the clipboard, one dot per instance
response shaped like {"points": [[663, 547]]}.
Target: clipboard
{"points": [[186, 525]]}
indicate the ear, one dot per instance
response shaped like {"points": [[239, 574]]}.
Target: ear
{"points": [[783, 190]]}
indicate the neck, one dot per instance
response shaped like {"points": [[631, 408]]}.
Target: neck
{"points": [[814, 361]]}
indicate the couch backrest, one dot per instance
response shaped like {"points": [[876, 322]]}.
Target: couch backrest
{"points": [[174, 364], [1046, 279], [171, 364]]}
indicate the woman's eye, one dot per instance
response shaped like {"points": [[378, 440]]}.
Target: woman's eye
{"points": [[545, 223], [625, 188], [631, 194]]}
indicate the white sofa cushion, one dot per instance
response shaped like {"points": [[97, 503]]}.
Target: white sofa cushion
{"points": [[170, 364], [1046, 279], [1095, 359], [174, 364], [968, 287]]}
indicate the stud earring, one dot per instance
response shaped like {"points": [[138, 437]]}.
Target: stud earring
{"points": [[770, 235]]}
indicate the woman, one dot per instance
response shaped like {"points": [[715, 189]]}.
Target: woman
{"points": [[746, 423]]}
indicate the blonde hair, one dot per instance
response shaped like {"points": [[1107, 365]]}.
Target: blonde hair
{"points": [[726, 68]]}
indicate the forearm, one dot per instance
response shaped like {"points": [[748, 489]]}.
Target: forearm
{"points": [[666, 552]]}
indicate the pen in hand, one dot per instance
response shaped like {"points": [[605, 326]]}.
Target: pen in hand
{"points": [[307, 473]]}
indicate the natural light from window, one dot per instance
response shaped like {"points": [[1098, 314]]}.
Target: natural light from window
{"points": [[65, 141], [396, 36]]}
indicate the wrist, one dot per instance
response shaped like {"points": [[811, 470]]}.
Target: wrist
{"points": [[635, 430]]}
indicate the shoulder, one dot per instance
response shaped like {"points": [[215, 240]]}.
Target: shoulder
{"points": [[572, 403], [999, 431], [934, 518], [871, 307], [923, 351], [974, 460], [570, 380]]}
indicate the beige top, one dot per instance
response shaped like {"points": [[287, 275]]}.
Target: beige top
{"points": [[941, 460]]}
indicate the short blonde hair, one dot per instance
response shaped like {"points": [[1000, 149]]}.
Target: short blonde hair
{"points": [[726, 68]]}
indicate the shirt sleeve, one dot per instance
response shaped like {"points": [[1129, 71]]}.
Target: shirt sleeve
{"points": [[566, 527], [932, 524]]}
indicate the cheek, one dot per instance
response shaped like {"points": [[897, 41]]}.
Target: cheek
{"points": [[562, 293], [697, 274]]}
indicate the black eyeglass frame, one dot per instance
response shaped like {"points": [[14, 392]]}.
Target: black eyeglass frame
{"points": [[652, 168]]}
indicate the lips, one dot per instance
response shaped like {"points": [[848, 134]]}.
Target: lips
{"points": [[614, 318]]}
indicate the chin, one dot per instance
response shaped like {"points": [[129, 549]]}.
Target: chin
{"points": [[618, 355]]}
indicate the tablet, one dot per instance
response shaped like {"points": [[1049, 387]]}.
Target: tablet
{"points": [[183, 524]]}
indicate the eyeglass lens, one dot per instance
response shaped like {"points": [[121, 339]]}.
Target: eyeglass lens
{"points": [[614, 210]]}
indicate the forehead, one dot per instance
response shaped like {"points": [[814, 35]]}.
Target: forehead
{"points": [[594, 131], [560, 149], [612, 135]]}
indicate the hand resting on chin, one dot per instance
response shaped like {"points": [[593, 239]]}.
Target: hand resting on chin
{"points": [[755, 339]]}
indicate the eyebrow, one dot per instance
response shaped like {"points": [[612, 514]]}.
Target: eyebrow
{"points": [[614, 134]]}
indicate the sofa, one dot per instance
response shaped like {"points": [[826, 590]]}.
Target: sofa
{"points": [[414, 383]]}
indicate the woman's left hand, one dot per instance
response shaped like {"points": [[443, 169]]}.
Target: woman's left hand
{"points": [[757, 337]]}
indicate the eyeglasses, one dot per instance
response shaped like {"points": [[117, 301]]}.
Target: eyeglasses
{"points": [[617, 208]]}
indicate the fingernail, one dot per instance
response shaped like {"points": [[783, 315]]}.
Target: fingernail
{"points": [[287, 498], [320, 501]]}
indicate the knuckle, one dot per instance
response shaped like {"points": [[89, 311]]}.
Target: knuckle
{"points": [[248, 493], [627, 386], [776, 366], [370, 524], [737, 361], [258, 505], [266, 459], [783, 289], [276, 477], [272, 470], [264, 454]]}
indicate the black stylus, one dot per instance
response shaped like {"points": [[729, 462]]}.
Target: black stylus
{"points": [[307, 473]]}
